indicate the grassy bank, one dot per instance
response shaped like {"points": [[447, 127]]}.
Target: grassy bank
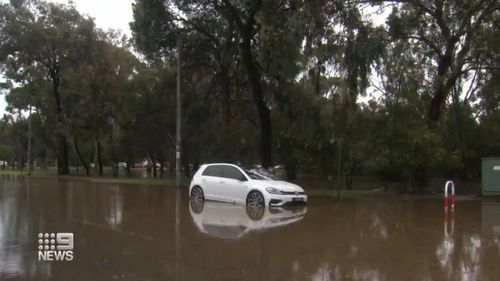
{"points": [[362, 186], [10, 172], [96, 179]]}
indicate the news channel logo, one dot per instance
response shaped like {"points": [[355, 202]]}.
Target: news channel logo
{"points": [[55, 246]]}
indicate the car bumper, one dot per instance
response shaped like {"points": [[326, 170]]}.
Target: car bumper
{"points": [[274, 200]]}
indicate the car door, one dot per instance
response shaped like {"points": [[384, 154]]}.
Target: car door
{"points": [[211, 181], [233, 186]]}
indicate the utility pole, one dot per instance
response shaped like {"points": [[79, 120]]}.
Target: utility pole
{"points": [[178, 135], [29, 143]]}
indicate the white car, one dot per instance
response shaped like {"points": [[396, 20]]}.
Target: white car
{"points": [[229, 221], [231, 183]]}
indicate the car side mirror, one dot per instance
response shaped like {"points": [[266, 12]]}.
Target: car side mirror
{"points": [[243, 178]]}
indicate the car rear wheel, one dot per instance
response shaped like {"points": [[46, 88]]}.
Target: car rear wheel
{"points": [[255, 199], [197, 194]]}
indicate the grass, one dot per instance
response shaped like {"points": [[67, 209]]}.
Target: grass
{"points": [[138, 181], [363, 187], [350, 193], [104, 179], [11, 172]]}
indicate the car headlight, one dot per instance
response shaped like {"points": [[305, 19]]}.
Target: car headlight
{"points": [[273, 190]]}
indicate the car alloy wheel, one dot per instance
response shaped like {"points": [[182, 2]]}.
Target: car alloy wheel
{"points": [[255, 199], [196, 194]]}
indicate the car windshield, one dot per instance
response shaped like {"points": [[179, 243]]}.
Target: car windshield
{"points": [[260, 174]]}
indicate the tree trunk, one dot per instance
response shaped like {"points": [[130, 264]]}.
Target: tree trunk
{"points": [[349, 172], [254, 77], [436, 107], [62, 158], [128, 169], [291, 170], [62, 161], [114, 157], [421, 176], [81, 158], [196, 165], [457, 106], [171, 163], [226, 94], [247, 31], [153, 160], [98, 158], [317, 79], [161, 160]]}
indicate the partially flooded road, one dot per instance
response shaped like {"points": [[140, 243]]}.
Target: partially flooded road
{"points": [[133, 232]]}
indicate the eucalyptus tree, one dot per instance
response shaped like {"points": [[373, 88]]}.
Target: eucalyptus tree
{"points": [[97, 90], [446, 38], [449, 34], [47, 38], [232, 32], [342, 45]]}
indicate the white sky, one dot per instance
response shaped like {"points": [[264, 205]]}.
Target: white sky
{"points": [[115, 14]]}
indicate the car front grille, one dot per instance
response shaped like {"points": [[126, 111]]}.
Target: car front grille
{"points": [[293, 193]]}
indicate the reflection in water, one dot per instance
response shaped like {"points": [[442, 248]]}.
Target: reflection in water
{"points": [[490, 213], [233, 221], [133, 232], [325, 273], [115, 215], [470, 263], [445, 250], [15, 228], [467, 252], [366, 275]]}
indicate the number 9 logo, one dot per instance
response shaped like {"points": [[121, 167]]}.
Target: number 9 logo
{"points": [[64, 241]]}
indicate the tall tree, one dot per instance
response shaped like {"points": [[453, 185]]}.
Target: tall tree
{"points": [[449, 33], [157, 24], [50, 38]]}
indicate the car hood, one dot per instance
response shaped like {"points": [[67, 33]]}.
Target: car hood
{"points": [[282, 185]]}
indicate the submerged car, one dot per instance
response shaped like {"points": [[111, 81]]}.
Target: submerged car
{"points": [[232, 183]]}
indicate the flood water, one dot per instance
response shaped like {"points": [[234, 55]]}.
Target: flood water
{"points": [[132, 232]]}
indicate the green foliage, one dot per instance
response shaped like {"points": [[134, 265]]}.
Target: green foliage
{"points": [[5, 152], [337, 92]]}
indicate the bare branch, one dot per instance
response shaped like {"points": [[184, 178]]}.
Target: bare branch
{"points": [[428, 42]]}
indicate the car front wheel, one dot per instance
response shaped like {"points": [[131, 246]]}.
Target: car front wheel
{"points": [[255, 199], [197, 194]]}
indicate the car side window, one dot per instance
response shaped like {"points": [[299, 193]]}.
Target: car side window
{"points": [[213, 171], [232, 173]]}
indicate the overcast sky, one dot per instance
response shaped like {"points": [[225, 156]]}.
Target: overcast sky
{"points": [[107, 14]]}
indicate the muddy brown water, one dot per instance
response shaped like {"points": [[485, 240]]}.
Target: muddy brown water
{"points": [[132, 232]]}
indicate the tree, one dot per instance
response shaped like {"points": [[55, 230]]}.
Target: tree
{"points": [[97, 89], [157, 24], [49, 39], [448, 33]]}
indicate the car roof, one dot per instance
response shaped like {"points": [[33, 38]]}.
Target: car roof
{"points": [[227, 164]]}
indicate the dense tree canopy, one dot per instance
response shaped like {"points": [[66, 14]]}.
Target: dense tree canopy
{"points": [[314, 87]]}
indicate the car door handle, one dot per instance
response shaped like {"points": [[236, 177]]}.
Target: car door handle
{"points": [[221, 181]]}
